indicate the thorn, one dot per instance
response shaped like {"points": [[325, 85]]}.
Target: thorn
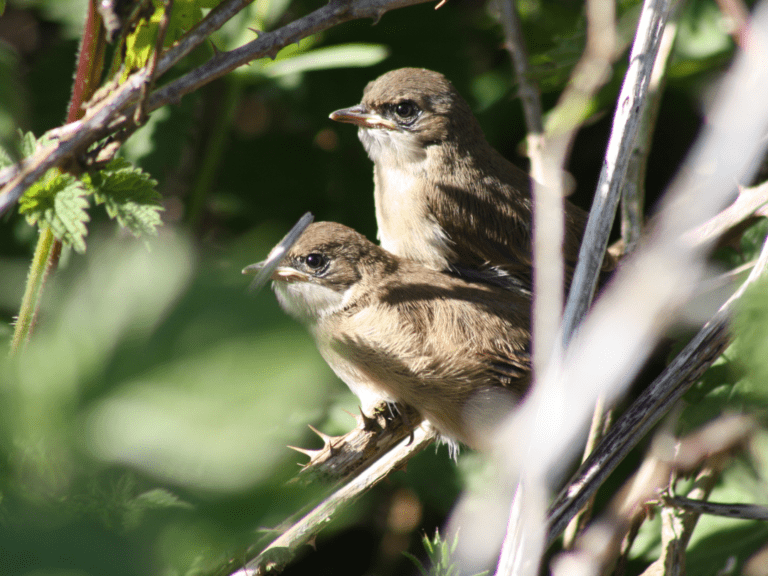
{"points": [[378, 16], [441, 4], [326, 439], [215, 50], [256, 31], [313, 542], [309, 453]]}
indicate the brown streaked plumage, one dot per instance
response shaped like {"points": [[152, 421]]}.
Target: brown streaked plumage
{"points": [[444, 196], [397, 331]]}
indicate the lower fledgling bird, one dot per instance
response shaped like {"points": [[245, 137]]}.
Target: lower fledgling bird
{"points": [[394, 330]]}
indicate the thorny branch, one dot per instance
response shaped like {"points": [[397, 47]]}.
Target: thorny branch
{"points": [[626, 124]]}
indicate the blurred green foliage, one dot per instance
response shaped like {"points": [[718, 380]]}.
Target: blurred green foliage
{"points": [[143, 428]]}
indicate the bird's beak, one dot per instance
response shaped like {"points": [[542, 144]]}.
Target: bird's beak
{"points": [[288, 274], [281, 273], [360, 116]]}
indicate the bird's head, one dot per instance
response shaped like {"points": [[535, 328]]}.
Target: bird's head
{"points": [[405, 111], [327, 267]]}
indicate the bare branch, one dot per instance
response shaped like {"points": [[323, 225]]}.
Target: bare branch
{"points": [[527, 89], [743, 511], [677, 527], [633, 194]]}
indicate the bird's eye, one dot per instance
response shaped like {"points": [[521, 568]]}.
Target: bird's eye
{"points": [[315, 261], [406, 110]]}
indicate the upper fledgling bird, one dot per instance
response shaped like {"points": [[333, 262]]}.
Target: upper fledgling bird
{"points": [[444, 196], [397, 331]]}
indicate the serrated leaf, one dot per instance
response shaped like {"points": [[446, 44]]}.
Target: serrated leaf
{"points": [[129, 196], [58, 201]]}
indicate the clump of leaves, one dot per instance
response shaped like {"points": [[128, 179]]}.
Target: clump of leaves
{"points": [[59, 201], [440, 553]]}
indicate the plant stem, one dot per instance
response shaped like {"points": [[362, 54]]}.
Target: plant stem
{"points": [[48, 250], [38, 272]]}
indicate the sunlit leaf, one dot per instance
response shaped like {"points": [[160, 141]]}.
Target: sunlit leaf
{"points": [[27, 144], [59, 202]]}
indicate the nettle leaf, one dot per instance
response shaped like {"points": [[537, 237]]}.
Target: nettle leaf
{"points": [[129, 196], [58, 201]]}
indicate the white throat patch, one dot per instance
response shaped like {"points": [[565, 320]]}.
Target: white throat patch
{"points": [[308, 301], [391, 147]]}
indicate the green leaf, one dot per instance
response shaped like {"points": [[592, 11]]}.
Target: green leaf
{"points": [[156, 499], [28, 144], [751, 345], [129, 196], [341, 56], [21, 146], [58, 201]]}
